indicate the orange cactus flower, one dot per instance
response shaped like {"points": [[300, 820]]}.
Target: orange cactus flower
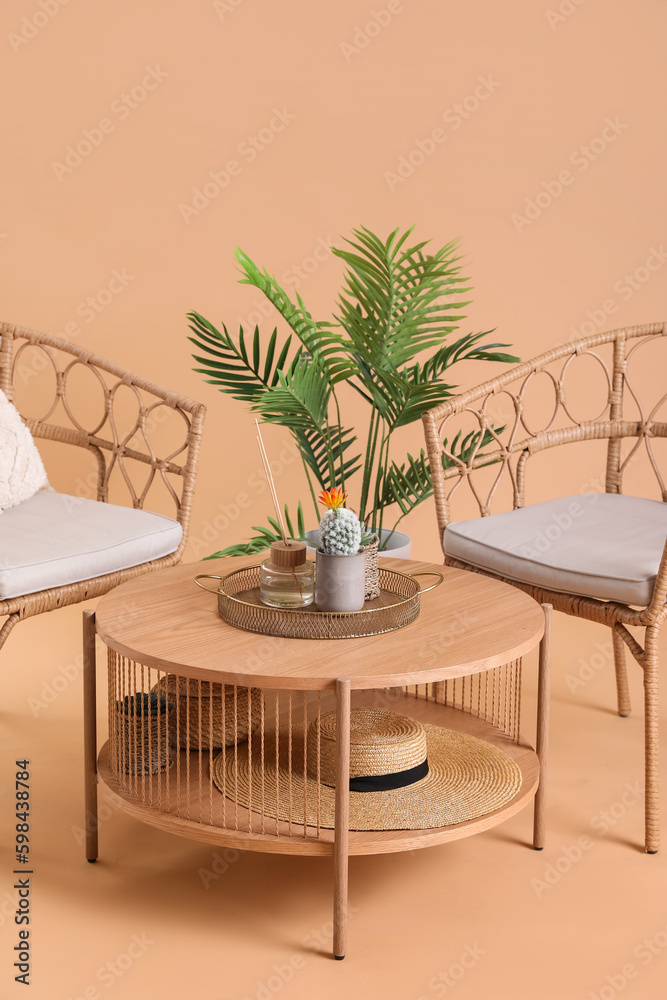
{"points": [[333, 498]]}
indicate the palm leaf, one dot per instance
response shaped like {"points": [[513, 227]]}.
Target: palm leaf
{"points": [[408, 401], [409, 484], [266, 536], [300, 399], [320, 339], [231, 366], [396, 302], [465, 348], [313, 448], [399, 299], [420, 387]]}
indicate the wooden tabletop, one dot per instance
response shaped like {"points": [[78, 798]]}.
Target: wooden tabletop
{"points": [[467, 624]]}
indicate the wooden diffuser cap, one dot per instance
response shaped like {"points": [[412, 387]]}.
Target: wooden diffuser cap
{"points": [[288, 553]]}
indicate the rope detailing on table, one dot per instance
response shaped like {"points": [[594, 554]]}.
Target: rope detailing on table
{"points": [[491, 695], [208, 752]]}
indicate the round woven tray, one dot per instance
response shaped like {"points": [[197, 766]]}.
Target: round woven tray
{"points": [[396, 606], [205, 715]]}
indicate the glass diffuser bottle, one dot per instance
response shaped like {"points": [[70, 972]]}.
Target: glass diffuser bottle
{"points": [[286, 579]]}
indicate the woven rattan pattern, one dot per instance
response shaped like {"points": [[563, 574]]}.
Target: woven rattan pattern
{"points": [[505, 453], [239, 604], [144, 743], [114, 450], [209, 715]]}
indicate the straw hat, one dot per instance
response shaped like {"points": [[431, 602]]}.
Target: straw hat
{"points": [[404, 775]]}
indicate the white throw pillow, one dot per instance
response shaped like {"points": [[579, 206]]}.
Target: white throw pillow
{"points": [[22, 473]]}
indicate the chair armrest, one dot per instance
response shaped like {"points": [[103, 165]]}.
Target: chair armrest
{"points": [[511, 438], [110, 446]]}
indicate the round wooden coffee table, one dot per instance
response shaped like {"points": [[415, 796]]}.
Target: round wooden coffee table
{"points": [[184, 686]]}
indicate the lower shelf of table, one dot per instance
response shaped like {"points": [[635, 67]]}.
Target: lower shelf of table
{"points": [[214, 821]]}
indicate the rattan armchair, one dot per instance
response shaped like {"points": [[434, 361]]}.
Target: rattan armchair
{"points": [[495, 461], [25, 354]]}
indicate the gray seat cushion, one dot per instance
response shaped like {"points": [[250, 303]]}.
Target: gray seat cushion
{"points": [[53, 539], [598, 545]]}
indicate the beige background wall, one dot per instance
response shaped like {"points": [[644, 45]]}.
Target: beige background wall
{"points": [[518, 91], [549, 77]]}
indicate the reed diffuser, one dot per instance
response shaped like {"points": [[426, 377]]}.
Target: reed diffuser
{"points": [[286, 578]]}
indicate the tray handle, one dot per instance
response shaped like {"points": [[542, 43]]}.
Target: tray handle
{"points": [[425, 590], [207, 576]]}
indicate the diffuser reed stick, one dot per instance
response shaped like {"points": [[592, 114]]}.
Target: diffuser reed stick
{"points": [[272, 485], [285, 578]]}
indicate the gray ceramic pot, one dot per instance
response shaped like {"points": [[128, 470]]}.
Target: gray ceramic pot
{"points": [[340, 582]]}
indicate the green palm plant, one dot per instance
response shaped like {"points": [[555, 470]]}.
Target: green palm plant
{"points": [[397, 302]]}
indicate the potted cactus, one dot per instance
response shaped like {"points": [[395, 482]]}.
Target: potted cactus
{"points": [[340, 564]]}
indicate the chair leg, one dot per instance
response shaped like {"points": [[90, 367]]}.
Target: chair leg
{"points": [[622, 691], [342, 818], [651, 739], [7, 627], [90, 735], [541, 744]]}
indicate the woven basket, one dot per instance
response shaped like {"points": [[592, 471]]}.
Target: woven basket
{"points": [[372, 577], [142, 730], [203, 717]]}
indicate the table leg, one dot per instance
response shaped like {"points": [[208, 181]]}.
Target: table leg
{"points": [[342, 818], [543, 694], [90, 734]]}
